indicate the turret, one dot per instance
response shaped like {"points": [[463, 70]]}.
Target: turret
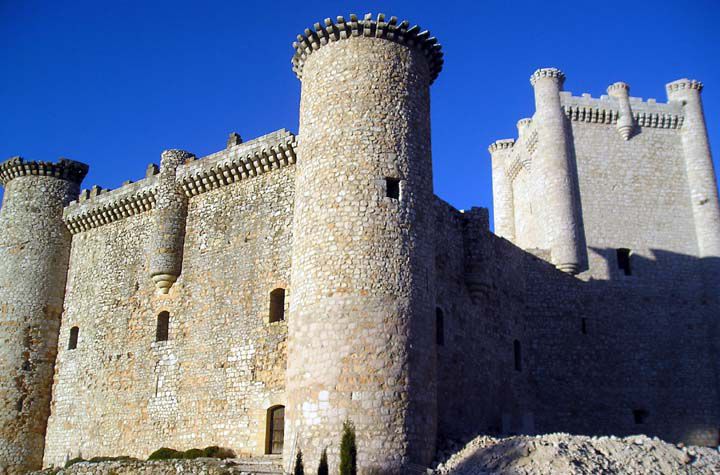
{"points": [[166, 246], [625, 122], [556, 172], [502, 189], [700, 174], [34, 255], [361, 342]]}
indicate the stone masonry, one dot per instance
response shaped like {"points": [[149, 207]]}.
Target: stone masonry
{"points": [[259, 297]]}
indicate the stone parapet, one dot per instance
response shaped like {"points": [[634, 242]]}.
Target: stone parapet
{"points": [[606, 110], [402, 32], [64, 169], [239, 162]]}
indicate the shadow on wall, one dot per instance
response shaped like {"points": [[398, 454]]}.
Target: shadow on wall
{"points": [[632, 354]]}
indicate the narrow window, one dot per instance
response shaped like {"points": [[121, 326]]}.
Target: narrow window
{"points": [[392, 188], [275, 435], [20, 404], [583, 326], [623, 260], [518, 356], [162, 331], [277, 305], [72, 344], [640, 416], [439, 327]]}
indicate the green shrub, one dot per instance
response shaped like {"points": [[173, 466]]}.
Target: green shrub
{"points": [[193, 454], [166, 454], [218, 452], [348, 450], [212, 451], [299, 468], [73, 461], [121, 458], [323, 467]]}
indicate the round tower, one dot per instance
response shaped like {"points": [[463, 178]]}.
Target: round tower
{"points": [[34, 254], [556, 171], [361, 341], [701, 176]]}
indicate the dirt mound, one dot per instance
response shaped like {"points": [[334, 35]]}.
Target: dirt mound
{"points": [[569, 454]]}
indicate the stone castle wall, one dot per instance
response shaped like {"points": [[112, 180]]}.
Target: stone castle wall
{"points": [[213, 381]]}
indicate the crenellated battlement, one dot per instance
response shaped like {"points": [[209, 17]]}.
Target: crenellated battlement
{"points": [[64, 168], [606, 110], [402, 33], [239, 162], [98, 207]]}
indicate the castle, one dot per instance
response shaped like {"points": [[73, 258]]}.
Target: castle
{"points": [[258, 297]]}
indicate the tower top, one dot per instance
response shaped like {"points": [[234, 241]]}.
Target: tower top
{"points": [[391, 30], [681, 84], [64, 169], [548, 73]]}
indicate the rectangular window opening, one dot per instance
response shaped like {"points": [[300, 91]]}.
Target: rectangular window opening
{"points": [[392, 188], [623, 260], [640, 416], [583, 326]]}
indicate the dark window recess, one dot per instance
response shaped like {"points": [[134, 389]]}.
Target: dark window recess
{"points": [[20, 404], [640, 416], [277, 305], [275, 430], [162, 332], [623, 260], [72, 343], [518, 355], [583, 326], [392, 188], [439, 327]]}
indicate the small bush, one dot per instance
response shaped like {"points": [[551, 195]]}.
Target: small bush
{"points": [[166, 454], [73, 461], [218, 452], [348, 450], [121, 458], [323, 467], [299, 468], [193, 454], [212, 451]]}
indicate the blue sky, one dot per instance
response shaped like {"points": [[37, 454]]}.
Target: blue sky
{"points": [[112, 84]]}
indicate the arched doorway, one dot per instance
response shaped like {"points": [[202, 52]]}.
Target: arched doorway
{"points": [[275, 430]]}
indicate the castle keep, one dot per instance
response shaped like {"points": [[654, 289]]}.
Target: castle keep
{"points": [[258, 297]]}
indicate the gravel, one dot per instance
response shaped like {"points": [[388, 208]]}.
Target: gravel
{"points": [[571, 454]]}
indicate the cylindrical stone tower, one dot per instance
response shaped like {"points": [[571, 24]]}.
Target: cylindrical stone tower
{"points": [[361, 343], [34, 254], [701, 177], [166, 246], [561, 213], [502, 189]]}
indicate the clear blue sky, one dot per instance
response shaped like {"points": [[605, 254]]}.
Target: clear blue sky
{"points": [[112, 84]]}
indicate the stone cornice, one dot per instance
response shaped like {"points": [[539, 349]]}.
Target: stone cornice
{"points": [[402, 33], [270, 152], [64, 169], [554, 73], [618, 87]]}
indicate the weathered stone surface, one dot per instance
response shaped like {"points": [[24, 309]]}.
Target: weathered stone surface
{"points": [[399, 312]]}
